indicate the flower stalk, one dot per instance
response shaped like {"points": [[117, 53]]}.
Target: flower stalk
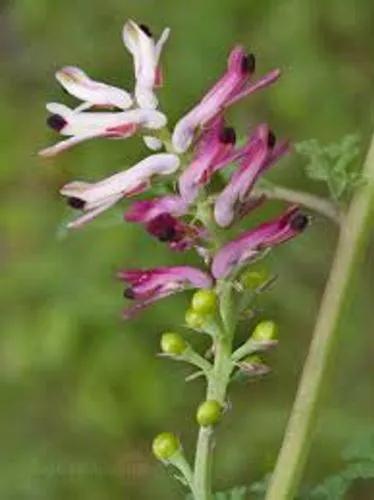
{"points": [[298, 437], [194, 212]]}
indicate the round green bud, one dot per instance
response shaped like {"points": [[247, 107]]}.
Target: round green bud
{"points": [[165, 445], [255, 277], [265, 331], [173, 343], [193, 319], [204, 301], [209, 413]]}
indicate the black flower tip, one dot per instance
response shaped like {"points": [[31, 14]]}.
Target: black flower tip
{"points": [[163, 227], [129, 293], [146, 29], [56, 122], [227, 135], [76, 203], [299, 222], [271, 139], [249, 63]]}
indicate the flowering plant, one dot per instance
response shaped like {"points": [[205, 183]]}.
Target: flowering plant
{"points": [[209, 185]]}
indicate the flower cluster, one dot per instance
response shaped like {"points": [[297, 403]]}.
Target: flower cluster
{"points": [[199, 148]]}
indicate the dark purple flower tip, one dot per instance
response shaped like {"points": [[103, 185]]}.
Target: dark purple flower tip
{"points": [[146, 29], [271, 139], [248, 64], [164, 227], [129, 293], [56, 122], [76, 203], [227, 135], [299, 222]]}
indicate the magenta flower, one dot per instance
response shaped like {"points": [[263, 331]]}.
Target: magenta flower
{"points": [[82, 126], [214, 150], [261, 153], [234, 85], [149, 285], [159, 217], [146, 53], [180, 235], [94, 198], [145, 210], [248, 245]]}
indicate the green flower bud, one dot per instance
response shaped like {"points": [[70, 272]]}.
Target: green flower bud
{"points": [[253, 359], [265, 331], [173, 343], [254, 277], [193, 319], [209, 413], [165, 445], [253, 365], [204, 302]]}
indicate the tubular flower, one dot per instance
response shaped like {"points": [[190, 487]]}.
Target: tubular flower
{"points": [[146, 54], [248, 245], [261, 153], [150, 285], [145, 210], [234, 85], [159, 216], [178, 218], [94, 198], [82, 126], [180, 235], [92, 93], [214, 150]]}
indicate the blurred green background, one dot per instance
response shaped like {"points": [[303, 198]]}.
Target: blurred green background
{"points": [[82, 393]]}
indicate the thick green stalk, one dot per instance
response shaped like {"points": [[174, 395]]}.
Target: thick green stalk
{"points": [[298, 436], [218, 381]]}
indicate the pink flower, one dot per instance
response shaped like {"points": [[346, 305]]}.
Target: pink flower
{"points": [[146, 53], [150, 285], [261, 153], [159, 217], [248, 245], [145, 210], [234, 85], [82, 126], [94, 198], [92, 93], [180, 235], [214, 150]]}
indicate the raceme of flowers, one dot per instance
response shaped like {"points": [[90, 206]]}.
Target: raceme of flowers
{"points": [[199, 148]]}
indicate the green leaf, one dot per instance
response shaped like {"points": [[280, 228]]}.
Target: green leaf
{"points": [[333, 164], [361, 449]]}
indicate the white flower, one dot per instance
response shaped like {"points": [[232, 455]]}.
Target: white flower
{"points": [[81, 126], [146, 54], [77, 83], [94, 198]]}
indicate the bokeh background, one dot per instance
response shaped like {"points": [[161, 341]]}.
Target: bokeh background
{"points": [[82, 393]]}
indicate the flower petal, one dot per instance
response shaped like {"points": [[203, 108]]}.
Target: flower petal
{"points": [[140, 43], [147, 286], [246, 247], [80, 85], [89, 197]]}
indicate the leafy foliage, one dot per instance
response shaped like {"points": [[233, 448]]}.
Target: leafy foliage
{"points": [[333, 164], [360, 454]]}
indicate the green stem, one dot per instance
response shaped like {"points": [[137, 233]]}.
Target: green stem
{"points": [[218, 380], [298, 436], [308, 200]]}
